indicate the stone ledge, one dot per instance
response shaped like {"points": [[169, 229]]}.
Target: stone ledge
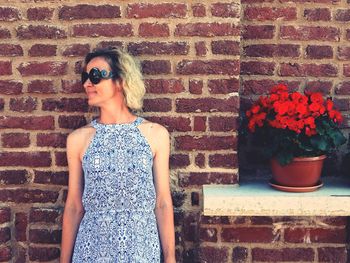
{"points": [[257, 198]]}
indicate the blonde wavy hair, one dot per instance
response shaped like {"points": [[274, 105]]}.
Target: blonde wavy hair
{"points": [[127, 69]]}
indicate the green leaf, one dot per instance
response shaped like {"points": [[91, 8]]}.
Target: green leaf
{"points": [[337, 137], [319, 143]]}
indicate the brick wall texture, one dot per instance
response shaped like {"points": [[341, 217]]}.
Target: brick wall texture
{"points": [[203, 62]]}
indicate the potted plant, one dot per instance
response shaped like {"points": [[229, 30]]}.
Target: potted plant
{"points": [[295, 131]]}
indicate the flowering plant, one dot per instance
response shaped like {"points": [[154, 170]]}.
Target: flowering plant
{"points": [[290, 125]]}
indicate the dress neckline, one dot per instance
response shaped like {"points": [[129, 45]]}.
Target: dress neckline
{"points": [[135, 122]]}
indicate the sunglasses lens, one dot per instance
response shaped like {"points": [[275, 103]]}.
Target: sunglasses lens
{"points": [[95, 75], [84, 77]]}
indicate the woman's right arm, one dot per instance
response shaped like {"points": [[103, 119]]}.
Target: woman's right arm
{"points": [[73, 210]]}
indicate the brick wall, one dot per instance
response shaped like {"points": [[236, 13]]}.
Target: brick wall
{"points": [[190, 53]]}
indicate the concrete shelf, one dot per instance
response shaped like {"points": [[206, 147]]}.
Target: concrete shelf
{"points": [[258, 198]]}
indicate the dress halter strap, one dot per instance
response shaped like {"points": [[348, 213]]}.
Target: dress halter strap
{"points": [[135, 123]]}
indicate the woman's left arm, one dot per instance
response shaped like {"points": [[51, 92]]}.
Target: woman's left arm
{"points": [[164, 207]]}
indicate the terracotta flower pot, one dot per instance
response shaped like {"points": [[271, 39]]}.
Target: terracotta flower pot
{"points": [[301, 172]]}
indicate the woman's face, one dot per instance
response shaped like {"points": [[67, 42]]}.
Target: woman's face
{"points": [[103, 91]]}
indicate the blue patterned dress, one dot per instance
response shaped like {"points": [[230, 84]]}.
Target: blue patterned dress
{"points": [[119, 224]]}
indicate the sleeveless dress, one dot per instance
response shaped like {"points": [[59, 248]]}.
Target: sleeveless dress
{"points": [[119, 224]]}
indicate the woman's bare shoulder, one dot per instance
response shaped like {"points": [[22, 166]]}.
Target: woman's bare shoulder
{"points": [[157, 129], [80, 135]]}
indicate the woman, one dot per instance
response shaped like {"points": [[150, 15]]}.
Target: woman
{"points": [[119, 203]]}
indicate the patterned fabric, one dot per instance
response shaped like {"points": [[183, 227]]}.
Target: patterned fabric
{"points": [[119, 224]]}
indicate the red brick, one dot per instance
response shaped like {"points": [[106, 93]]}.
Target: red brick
{"points": [[255, 1], [44, 215], [348, 34], [319, 86], [257, 68], [225, 10], [335, 221], [272, 50], [319, 52], [163, 10], [43, 253], [157, 105], [208, 234], [4, 33], [223, 123], [343, 88], [102, 30], [201, 67], [76, 50], [207, 29], [71, 86], [343, 53], [65, 105], [223, 86], [10, 87], [258, 31], [304, 70], [188, 143], [163, 86], [261, 220], [12, 177], [2, 104], [27, 123], [154, 30], [158, 48], [40, 32], [223, 160], [5, 254], [10, 50], [207, 105], [346, 70], [239, 254], [21, 222], [57, 140], [200, 160], [200, 178], [5, 213], [198, 10], [48, 68], [199, 123], [213, 254], [40, 13], [195, 86], [270, 13], [108, 44], [42, 50], [41, 86], [85, 11], [264, 86], [318, 14], [311, 1], [332, 254], [342, 15], [182, 124], [342, 104], [30, 159], [9, 14], [201, 48], [316, 235], [45, 236], [13, 140], [179, 161], [51, 178], [310, 33], [285, 254], [61, 159], [5, 68], [27, 104], [249, 234], [71, 122], [28, 196], [156, 67], [225, 47], [5, 234]]}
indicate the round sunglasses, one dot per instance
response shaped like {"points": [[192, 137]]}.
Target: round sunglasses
{"points": [[95, 75]]}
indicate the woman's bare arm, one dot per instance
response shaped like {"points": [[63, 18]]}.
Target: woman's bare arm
{"points": [[73, 210], [164, 207]]}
